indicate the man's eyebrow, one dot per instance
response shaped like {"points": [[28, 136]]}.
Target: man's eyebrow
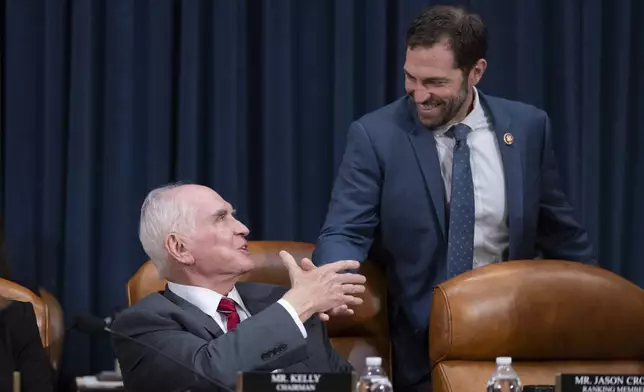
{"points": [[223, 212], [220, 213], [431, 80], [436, 79]]}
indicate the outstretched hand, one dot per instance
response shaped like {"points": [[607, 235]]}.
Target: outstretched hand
{"points": [[342, 310], [324, 291]]}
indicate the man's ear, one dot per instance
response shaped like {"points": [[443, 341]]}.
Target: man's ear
{"points": [[476, 74], [175, 245]]}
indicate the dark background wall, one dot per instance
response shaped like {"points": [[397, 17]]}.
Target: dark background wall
{"points": [[105, 99]]}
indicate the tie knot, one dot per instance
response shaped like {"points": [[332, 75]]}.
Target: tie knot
{"points": [[460, 132], [226, 305]]}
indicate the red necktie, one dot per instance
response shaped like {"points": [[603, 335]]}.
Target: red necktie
{"points": [[229, 310]]}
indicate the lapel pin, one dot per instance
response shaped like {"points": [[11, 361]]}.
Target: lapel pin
{"points": [[508, 138]]}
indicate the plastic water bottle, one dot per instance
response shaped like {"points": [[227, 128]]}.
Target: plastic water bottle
{"points": [[374, 378], [504, 378]]}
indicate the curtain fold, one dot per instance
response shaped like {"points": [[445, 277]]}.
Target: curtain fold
{"points": [[105, 99]]}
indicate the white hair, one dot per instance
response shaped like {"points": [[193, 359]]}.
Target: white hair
{"points": [[161, 215]]}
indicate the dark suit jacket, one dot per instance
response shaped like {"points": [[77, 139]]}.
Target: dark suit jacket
{"points": [[389, 200], [266, 341], [21, 350]]}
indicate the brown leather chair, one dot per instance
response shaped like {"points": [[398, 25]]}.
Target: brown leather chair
{"points": [[49, 313], [56, 329], [550, 316], [355, 338], [14, 291], [49, 317]]}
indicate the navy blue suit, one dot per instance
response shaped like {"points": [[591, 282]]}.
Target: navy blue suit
{"points": [[388, 204]]}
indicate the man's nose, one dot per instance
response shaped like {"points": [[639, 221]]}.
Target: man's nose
{"points": [[242, 229], [421, 95]]}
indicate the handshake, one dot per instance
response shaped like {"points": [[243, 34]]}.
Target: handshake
{"points": [[323, 291]]}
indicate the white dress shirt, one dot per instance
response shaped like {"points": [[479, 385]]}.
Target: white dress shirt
{"points": [[491, 235], [208, 301]]}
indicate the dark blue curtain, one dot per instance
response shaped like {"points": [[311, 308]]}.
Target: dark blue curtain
{"points": [[105, 99]]}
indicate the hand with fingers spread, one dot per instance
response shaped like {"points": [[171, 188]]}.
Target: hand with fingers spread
{"points": [[342, 310], [318, 290]]}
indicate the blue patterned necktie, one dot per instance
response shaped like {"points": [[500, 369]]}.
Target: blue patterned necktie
{"points": [[460, 243]]}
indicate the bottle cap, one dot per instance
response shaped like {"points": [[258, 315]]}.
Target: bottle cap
{"points": [[503, 360], [374, 361]]}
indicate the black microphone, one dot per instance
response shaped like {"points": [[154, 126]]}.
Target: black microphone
{"points": [[93, 325]]}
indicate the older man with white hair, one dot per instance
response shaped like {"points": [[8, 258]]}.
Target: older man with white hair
{"points": [[208, 320]]}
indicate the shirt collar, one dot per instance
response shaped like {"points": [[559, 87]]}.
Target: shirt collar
{"points": [[205, 299], [471, 119]]}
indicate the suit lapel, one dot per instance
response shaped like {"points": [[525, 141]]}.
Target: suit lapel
{"points": [[254, 300], [205, 320], [257, 298], [513, 170], [424, 145]]}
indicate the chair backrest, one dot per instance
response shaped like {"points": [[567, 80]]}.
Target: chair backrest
{"points": [[550, 316], [355, 338], [14, 291], [56, 329]]}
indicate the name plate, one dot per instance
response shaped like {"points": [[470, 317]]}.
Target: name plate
{"points": [[600, 383], [281, 382]]}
